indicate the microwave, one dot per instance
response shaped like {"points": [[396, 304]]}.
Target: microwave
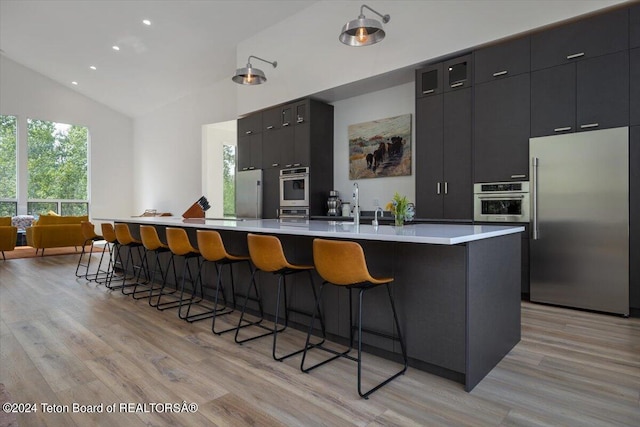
{"points": [[501, 201], [294, 187]]}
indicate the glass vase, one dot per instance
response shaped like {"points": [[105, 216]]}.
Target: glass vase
{"points": [[399, 220]]}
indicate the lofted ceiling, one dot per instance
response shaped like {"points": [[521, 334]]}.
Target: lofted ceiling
{"points": [[189, 45]]}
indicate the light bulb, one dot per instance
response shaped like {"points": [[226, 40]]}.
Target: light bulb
{"points": [[248, 78], [362, 35]]}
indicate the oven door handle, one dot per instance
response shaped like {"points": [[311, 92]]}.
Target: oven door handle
{"points": [[496, 197]]}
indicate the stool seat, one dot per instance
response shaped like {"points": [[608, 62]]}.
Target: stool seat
{"points": [[267, 254], [125, 239], [343, 263]]}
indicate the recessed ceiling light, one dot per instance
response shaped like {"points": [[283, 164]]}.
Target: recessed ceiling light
{"points": [[146, 22], [115, 47], [93, 67], [74, 83]]}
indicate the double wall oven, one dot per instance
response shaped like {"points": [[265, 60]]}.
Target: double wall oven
{"points": [[501, 201], [294, 193]]}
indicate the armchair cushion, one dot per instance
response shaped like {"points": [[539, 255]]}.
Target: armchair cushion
{"points": [[56, 231]]}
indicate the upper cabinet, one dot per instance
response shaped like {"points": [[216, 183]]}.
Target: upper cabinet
{"points": [[458, 73], [429, 80], [250, 124], [634, 28], [503, 60], [587, 38]]}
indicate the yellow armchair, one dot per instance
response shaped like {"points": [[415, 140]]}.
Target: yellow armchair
{"points": [[56, 231], [8, 235]]}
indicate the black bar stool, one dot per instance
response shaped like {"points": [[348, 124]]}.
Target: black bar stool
{"points": [[152, 245], [267, 255], [343, 264], [125, 239], [90, 237]]}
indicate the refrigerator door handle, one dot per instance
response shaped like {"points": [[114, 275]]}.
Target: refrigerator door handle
{"points": [[534, 198]]}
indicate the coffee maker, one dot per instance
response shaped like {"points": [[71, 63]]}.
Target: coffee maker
{"points": [[334, 203]]}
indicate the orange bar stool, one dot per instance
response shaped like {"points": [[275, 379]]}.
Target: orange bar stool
{"points": [[213, 251], [343, 264], [109, 235], [267, 255], [152, 245], [90, 237], [180, 246], [125, 239]]}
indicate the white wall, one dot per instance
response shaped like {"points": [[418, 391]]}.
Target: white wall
{"points": [[311, 59], [27, 94], [391, 102], [168, 148]]}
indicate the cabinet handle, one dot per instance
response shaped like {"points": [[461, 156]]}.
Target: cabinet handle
{"points": [[446, 188], [534, 197], [300, 120], [269, 127], [296, 164], [438, 188], [287, 166], [245, 169], [285, 124], [457, 84], [424, 92], [517, 176], [500, 73], [273, 165], [575, 55], [249, 132], [562, 129], [589, 125], [251, 168]]}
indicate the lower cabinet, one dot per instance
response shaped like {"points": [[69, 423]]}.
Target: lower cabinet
{"points": [[270, 193]]}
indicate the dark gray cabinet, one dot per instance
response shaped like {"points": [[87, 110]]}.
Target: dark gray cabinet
{"points": [[634, 26], [587, 38], [276, 147], [501, 130], [443, 156], [502, 60], [249, 152], [458, 73], [429, 80], [634, 88], [586, 95], [634, 217], [272, 119], [250, 124], [270, 193]]}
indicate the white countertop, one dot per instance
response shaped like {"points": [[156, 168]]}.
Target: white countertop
{"points": [[438, 234]]}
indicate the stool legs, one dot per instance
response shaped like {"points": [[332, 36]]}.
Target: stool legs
{"points": [[219, 289]]}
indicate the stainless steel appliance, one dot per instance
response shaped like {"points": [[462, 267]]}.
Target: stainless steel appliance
{"points": [[580, 220], [501, 201], [249, 194], [293, 213], [294, 187], [334, 204]]}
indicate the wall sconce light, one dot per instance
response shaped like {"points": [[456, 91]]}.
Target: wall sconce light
{"points": [[250, 75], [363, 31]]}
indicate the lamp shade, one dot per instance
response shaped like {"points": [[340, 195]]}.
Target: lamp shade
{"points": [[363, 31], [249, 76]]}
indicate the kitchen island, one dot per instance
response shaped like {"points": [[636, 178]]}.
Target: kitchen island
{"points": [[457, 287]]}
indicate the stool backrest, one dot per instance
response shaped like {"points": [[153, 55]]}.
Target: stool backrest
{"points": [[178, 241], [124, 235], [108, 232], [340, 262], [266, 252], [210, 245], [150, 239], [87, 229]]}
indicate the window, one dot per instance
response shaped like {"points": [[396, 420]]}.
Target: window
{"points": [[229, 179], [8, 166], [57, 168]]}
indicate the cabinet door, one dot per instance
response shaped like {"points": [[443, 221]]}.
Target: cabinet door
{"points": [[458, 73], [250, 124], [634, 216], [429, 139], [634, 92], [270, 193], [271, 119], [553, 100], [603, 92], [301, 148], [244, 153], [587, 38], [271, 148], [458, 188], [286, 147], [501, 130], [301, 112], [634, 28], [429, 80], [502, 60], [286, 119]]}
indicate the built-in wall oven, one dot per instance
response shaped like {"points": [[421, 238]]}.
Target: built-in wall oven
{"points": [[294, 188], [501, 201]]}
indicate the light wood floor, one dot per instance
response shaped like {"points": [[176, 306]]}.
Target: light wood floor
{"points": [[64, 341]]}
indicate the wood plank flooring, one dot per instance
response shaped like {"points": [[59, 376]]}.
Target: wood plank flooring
{"points": [[64, 340]]}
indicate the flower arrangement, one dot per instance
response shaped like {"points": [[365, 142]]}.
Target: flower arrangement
{"points": [[401, 209]]}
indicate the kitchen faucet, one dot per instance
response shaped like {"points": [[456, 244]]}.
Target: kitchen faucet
{"points": [[375, 216], [356, 202]]}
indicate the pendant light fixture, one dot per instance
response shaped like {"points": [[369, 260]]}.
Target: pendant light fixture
{"points": [[363, 31], [250, 75]]}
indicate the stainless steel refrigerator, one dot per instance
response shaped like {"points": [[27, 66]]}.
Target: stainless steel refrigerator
{"points": [[580, 220], [249, 194]]}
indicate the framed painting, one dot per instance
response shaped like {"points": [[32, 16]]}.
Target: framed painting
{"points": [[380, 148]]}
